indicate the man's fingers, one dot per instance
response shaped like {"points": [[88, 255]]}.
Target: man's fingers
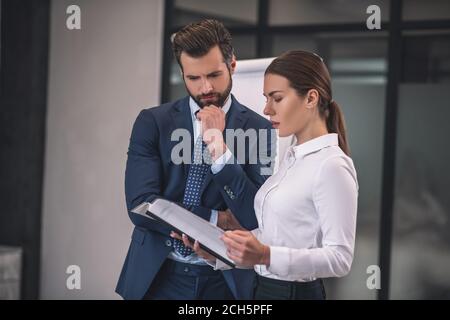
{"points": [[196, 246], [186, 241], [198, 250], [175, 235], [211, 108], [202, 253], [208, 111]]}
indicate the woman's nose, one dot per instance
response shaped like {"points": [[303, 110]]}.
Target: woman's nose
{"points": [[267, 110]]}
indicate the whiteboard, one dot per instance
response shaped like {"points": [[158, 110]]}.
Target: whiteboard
{"points": [[248, 81]]}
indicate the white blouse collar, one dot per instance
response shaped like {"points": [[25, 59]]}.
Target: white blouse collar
{"points": [[314, 145]]}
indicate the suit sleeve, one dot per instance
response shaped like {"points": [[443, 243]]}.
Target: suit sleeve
{"points": [[143, 170], [239, 184]]}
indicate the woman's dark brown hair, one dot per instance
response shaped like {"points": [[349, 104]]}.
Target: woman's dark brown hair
{"points": [[306, 71]]}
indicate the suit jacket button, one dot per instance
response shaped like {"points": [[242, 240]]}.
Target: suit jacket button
{"points": [[168, 243]]}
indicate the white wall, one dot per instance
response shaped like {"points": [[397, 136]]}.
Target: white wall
{"points": [[100, 77]]}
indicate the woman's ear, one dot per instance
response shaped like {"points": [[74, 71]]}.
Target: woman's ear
{"points": [[312, 98]]}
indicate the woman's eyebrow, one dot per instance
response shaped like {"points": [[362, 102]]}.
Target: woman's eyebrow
{"points": [[271, 93]]}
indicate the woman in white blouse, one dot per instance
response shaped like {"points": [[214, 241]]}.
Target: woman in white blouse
{"points": [[307, 210]]}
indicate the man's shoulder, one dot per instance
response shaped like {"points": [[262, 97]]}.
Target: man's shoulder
{"points": [[254, 117], [163, 110]]}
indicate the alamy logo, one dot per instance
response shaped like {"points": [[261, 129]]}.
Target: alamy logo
{"points": [[248, 147], [73, 22], [74, 279], [374, 20], [374, 280]]}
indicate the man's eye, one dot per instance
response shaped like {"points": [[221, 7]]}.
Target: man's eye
{"points": [[193, 78], [213, 75]]}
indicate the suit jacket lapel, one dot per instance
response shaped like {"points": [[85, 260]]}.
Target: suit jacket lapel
{"points": [[181, 115]]}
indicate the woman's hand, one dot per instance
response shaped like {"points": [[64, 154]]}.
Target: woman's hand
{"points": [[194, 246], [245, 250]]}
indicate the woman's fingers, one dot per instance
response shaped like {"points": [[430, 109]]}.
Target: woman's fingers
{"points": [[238, 236], [233, 245], [235, 257], [242, 233]]}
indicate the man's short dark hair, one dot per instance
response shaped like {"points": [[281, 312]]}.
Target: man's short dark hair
{"points": [[197, 38]]}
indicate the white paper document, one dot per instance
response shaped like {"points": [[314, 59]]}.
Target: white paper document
{"points": [[184, 221]]}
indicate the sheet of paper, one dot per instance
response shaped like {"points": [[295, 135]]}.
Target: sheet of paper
{"points": [[186, 222]]}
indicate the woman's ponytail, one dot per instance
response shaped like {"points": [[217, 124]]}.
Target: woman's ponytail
{"points": [[336, 124]]}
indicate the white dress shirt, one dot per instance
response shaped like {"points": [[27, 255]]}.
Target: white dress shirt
{"points": [[216, 167], [306, 213]]}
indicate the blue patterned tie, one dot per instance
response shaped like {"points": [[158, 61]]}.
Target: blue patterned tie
{"points": [[196, 177]]}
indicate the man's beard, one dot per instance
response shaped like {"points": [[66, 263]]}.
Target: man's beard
{"points": [[218, 100]]}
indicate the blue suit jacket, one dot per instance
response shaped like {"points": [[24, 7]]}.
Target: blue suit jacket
{"points": [[150, 174]]}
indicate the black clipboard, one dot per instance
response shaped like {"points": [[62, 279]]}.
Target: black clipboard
{"points": [[184, 221]]}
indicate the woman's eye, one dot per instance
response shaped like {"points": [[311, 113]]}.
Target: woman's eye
{"points": [[277, 99]]}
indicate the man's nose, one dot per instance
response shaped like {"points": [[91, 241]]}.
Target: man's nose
{"points": [[206, 87]]}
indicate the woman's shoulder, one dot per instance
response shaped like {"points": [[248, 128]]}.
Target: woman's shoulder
{"points": [[334, 161]]}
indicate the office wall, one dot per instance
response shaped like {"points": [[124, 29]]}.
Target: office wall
{"points": [[100, 77]]}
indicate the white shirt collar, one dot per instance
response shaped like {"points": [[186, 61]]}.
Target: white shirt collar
{"points": [[194, 106], [315, 144]]}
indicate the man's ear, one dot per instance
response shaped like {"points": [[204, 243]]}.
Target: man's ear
{"points": [[233, 64]]}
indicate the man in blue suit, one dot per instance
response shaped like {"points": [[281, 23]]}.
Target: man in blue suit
{"points": [[220, 190]]}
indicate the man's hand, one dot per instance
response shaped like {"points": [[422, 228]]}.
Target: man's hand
{"points": [[194, 246], [213, 125], [227, 221]]}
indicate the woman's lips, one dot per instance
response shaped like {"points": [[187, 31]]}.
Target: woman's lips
{"points": [[275, 124]]}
